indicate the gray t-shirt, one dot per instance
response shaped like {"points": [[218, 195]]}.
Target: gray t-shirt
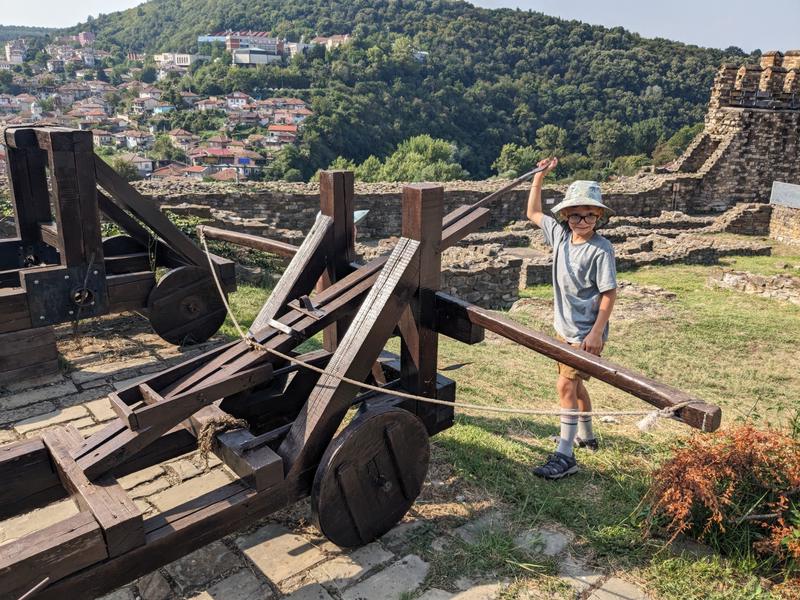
{"points": [[581, 272]]}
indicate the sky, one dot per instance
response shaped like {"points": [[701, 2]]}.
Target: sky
{"points": [[715, 23]]}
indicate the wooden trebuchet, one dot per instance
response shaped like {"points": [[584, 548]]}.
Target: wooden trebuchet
{"points": [[362, 476], [59, 268]]}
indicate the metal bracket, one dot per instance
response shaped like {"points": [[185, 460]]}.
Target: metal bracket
{"points": [[60, 294]]}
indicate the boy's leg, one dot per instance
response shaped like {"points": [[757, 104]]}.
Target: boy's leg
{"points": [[585, 436], [562, 461], [568, 400]]}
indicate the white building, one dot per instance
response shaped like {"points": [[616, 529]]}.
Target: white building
{"points": [[15, 52]]}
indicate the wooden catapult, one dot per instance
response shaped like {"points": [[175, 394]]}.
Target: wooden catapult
{"points": [[59, 268], [362, 476]]}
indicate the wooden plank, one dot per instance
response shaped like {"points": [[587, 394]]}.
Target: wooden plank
{"points": [[73, 240], [48, 234], [699, 415], [122, 443], [118, 517], [14, 309], [360, 347], [137, 262], [453, 321], [55, 552], [247, 240], [27, 183], [473, 221], [129, 291], [336, 202], [145, 209], [300, 275], [422, 218], [25, 470]]}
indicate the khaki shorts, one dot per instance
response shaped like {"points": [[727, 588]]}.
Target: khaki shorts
{"points": [[571, 372]]}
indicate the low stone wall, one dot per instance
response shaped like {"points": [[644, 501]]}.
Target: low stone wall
{"points": [[779, 287], [746, 219], [478, 274], [784, 225]]}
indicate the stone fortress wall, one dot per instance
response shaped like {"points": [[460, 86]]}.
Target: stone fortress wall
{"points": [[751, 138]]}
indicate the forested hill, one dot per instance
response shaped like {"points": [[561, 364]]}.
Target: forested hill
{"points": [[11, 32], [490, 77]]}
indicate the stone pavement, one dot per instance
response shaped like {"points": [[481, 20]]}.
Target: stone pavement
{"points": [[283, 556]]}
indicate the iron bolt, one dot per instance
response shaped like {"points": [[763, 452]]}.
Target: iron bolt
{"points": [[41, 318], [35, 282], [66, 276]]}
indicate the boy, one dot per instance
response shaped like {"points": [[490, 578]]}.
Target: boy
{"points": [[584, 286]]}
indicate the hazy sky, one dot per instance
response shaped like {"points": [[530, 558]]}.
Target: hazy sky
{"points": [[774, 25]]}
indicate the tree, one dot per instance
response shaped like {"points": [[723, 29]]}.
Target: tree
{"points": [[551, 140], [125, 169], [148, 74], [515, 160], [163, 148], [609, 139], [423, 158]]}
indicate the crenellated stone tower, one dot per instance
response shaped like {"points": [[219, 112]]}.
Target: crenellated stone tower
{"points": [[751, 136]]}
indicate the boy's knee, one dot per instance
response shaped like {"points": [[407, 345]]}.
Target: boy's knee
{"points": [[564, 385]]}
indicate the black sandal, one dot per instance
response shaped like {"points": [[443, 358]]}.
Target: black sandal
{"points": [[557, 466]]}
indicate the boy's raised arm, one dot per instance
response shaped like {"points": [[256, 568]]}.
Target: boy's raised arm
{"points": [[534, 211]]}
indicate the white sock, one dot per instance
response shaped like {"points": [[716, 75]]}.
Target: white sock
{"points": [[569, 429], [585, 428]]}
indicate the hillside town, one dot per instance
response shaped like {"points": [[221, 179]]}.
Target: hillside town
{"points": [[131, 107]]}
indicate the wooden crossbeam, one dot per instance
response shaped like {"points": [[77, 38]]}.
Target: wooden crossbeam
{"points": [[119, 518], [359, 349]]}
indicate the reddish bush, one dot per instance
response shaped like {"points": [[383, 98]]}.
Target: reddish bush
{"points": [[736, 486]]}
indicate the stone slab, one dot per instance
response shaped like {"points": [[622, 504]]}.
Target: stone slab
{"points": [[435, 594], [344, 570], [154, 586], [7, 435], [578, 575], [101, 409], [193, 488], [486, 591], [403, 577], [310, 592], [471, 532], [242, 585], [125, 593], [547, 540], [26, 412], [785, 194], [57, 417], [618, 589], [202, 566], [139, 477], [32, 396], [278, 553]]}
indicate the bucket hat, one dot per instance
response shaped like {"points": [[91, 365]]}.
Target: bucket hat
{"points": [[583, 193]]}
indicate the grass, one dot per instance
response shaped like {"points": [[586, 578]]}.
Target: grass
{"points": [[735, 350]]}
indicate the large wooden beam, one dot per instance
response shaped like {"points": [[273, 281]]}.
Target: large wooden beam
{"points": [[354, 357], [419, 348], [699, 414], [255, 242]]}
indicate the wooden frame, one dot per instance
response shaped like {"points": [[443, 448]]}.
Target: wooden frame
{"points": [[292, 414], [58, 268]]}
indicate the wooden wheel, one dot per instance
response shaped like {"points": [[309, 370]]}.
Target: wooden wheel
{"points": [[121, 244], [370, 475], [185, 306]]}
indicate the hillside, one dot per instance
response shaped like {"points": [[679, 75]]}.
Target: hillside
{"points": [[491, 76], [10, 32]]}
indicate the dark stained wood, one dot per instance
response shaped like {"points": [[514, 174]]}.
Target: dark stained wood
{"points": [[247, 240], [27, 183], [185, 306], [422, 218], [370, 475], [146, 210], [129, 291], [118, 517], [336, 202], [701, 415], [137, 262], [354, 357], [14, 308], [55, 552], [300, 275], [464, 226], [453, 321]]}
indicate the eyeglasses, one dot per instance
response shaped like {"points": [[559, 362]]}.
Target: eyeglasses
{"points": [[575, 219]]}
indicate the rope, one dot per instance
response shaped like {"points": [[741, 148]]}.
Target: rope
{"points": [[209, 430], [651, 416]]}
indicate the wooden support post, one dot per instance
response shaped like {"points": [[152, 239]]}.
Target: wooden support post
{"points": [[28, 186], [422, 218], [336, 201]]}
